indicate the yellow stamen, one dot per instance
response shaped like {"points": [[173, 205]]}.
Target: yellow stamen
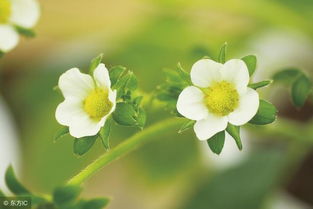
{"points": [[97, 104], [221, 98], [5, 11]]}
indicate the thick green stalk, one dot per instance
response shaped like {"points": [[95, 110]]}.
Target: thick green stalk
{"points": [[124, 148]]}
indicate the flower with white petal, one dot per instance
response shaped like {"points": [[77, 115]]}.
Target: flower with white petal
{"points": [[89, 100], [16, 13], [220, 95]]}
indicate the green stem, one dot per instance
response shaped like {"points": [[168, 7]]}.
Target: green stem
{"points": [[124, 148]]}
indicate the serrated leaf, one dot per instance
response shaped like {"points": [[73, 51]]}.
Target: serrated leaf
{"points": [[84, 144], [187, 125], [222, 55], [216, 142], [125, 114], [287, 76], [300, 90], [60, 133], [13, 184], [260, 84], [66, 194], [234, 131], [266, 114], [116, 73], [141, 118], [105, 134], [97, 203], [251, 63], [25, 31], [95, 62]]}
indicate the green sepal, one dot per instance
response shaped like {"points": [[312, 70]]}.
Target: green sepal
{"points": [[66, 194], [105, 133], [116, 73], [13, 184], [95, 62], [266, 114], [61, 133], [260, 84], [25, 31], [183, 74], [127, 114], [97, 203], [300, 90], [216, 142], [222, 54], [84, 144], [251, 62], [141, 118], [234, 131], [287, 76], [187, 125]]}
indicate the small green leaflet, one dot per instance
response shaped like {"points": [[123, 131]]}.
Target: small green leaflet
{"points": [[60, 133], [13, 184], [300, 90], [287, 76], [222, 55], [97, 203], [251, 63], [84, 144], [116, 73], [127, 114], [216, 142], [25, 31], [266, 114], [260, 84], [187, 125], [105, 133]]}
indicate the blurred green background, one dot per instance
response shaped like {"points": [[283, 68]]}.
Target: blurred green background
{"points": [[174, 171]]}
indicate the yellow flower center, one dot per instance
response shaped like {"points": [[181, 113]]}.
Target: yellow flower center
{"points": [[97, 104], [5, 11], [221, 98]]}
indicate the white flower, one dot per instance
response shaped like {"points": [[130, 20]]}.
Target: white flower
{"points": [[219, 96], [88, 101], [22, 13]]}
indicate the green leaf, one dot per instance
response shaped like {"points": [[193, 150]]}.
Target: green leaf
{"points": [[116, 73], [125, 114], [97, 203], [266, 114], [287, 76], [187, 125], [260, 84], [105, 134], [234, 131], [300, 90], [95, 62], [216, 142], [84, 144], [25, 31], [141, 118], [66, 194], [13, 184], [222, 54], [251, 62], [60, 133], [183, 74], [131, 83]]}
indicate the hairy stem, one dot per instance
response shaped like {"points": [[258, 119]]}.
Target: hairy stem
{"points": [[124, 148]]}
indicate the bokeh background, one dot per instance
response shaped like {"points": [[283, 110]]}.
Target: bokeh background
{"points": [[174, 171]]}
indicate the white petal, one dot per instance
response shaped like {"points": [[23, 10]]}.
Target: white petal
{"points": [[25, 13], [190, 103], [75, 84], [8, 38], [101, 76], [236, 71], [208, 127], [204, 71], [82, 125], [248, 107], [67, 110]]}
